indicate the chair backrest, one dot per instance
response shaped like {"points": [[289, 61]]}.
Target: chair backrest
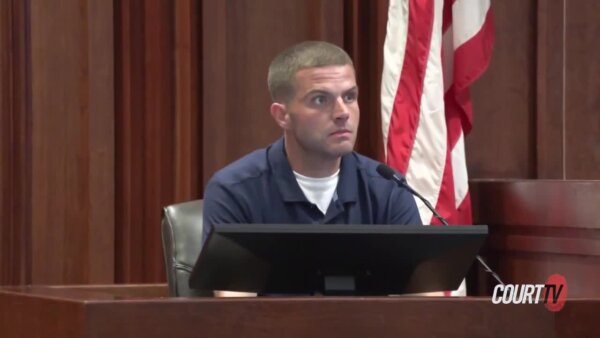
{"points": [[182, 239]]}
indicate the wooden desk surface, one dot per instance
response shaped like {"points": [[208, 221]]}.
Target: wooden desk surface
{"points": [[147, 311], [91, 293]]}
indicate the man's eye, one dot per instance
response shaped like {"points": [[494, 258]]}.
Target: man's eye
{"points": [[319, 100], [350, 97]]}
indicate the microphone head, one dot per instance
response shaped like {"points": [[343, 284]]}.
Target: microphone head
{"points": [[386, 172]]}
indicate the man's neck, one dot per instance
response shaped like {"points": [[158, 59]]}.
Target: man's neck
{"points": [[310, 165]]}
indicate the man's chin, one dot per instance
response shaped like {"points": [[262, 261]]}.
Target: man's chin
{"points": [[342, 150]]}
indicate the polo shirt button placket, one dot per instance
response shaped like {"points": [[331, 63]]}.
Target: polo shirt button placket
{"points": [[314, 209]]}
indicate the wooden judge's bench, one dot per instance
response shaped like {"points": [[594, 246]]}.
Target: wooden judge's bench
{"points": [[536, 229], [133, 311]]}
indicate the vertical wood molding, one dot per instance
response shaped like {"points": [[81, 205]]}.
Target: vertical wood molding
{"points": [[328, 24], [365, 29], [158, 126], [129, 114], [214, 84], [582, 83], [102, 141], [158, 140], [187, 94], [550, 90], [15, 144]]}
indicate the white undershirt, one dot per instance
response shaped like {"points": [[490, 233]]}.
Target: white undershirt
{"points": [[318, 190]]}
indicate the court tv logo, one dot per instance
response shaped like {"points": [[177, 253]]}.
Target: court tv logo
{"points": [[553, 293]]}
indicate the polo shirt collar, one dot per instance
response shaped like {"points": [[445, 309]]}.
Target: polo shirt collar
{"points": [[283, 174], [347, 188]]}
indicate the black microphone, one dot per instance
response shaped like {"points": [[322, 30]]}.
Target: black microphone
{"points": [[389, 173]]}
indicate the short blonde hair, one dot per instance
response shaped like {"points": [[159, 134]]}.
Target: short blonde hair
{"points": [[308, 54]]}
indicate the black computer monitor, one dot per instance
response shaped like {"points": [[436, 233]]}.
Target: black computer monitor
{"points": [[336, 259]]}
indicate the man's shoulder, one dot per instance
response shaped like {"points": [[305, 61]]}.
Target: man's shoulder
{"points": [[248, 167], [368, 167]]}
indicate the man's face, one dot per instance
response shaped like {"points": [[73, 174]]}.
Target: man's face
{"points": [[323, 114]]}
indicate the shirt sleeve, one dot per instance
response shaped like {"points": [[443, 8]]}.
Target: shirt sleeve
{"points": [[220, 207]]}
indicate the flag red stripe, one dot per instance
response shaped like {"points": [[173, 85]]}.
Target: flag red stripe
{"points": [[445, 203], [447, 15], [471, 59], [462, 214], [405, 114]]}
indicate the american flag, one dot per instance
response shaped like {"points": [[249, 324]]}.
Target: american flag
{"points": [[433, 51]]}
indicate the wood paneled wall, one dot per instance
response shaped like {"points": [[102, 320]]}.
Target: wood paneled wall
{"points": [[57, 142], [536, 108], [112, 109], [502, 141], [239, 41]]}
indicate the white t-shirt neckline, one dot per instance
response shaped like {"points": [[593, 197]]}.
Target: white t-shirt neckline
{"points": [[318, 191]]}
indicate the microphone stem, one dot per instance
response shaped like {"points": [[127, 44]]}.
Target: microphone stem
{"points": [[443, 220], [488, 270]]}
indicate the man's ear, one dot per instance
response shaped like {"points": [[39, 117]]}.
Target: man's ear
{"points": [[280, 114]]}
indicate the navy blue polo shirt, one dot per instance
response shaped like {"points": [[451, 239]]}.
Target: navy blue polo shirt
{"points": [[261, 188]]}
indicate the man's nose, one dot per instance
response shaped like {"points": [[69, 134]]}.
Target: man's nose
{"points": [[340, 110]]}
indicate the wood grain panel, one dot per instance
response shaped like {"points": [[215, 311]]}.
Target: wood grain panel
{"points": [[548, 203], [502, 142], [239, 41], [214, 87], [145, 102], [542, 227], [72, 152], [129, 105], [158, 123], [41, 317], [582, 83], [101, 148], [581, 272], [365, 23], [188, 158], [126, 312], [550, 82], [15, 144]]}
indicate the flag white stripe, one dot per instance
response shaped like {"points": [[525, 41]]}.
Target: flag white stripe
{"points": [[459, 171], [427, 160], [471, 15], [393, 52]]}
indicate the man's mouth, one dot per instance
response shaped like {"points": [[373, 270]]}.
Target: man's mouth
{"points": [[342, 132]]}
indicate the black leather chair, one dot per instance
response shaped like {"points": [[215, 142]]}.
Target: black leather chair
{"points": [[182, 238]]}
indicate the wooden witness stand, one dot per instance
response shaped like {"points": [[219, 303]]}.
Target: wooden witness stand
{"points": [[131, 311]]}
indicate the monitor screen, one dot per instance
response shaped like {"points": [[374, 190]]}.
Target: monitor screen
{"points": [[334, 259]]}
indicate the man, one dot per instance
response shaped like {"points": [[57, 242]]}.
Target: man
{"points": [[311, 175]]}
